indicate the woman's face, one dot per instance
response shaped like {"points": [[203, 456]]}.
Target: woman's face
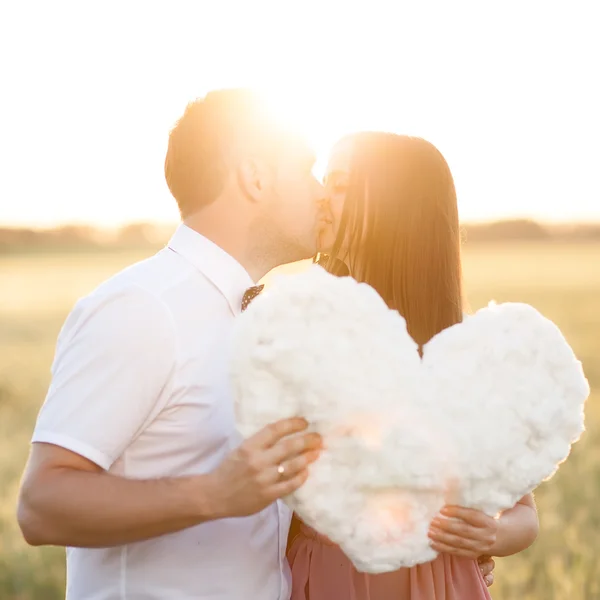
{"points": [[336, 184]]}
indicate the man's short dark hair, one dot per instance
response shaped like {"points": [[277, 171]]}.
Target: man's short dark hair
{"points": [[196, 164]]}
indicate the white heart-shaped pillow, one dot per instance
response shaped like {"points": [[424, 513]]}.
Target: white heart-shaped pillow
{"points": [[488, 413]]}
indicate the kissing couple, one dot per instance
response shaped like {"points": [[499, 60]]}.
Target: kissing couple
{"points": [[136, 466]]}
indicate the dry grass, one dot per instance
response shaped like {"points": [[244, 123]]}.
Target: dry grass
{"points": [[563, 281]]}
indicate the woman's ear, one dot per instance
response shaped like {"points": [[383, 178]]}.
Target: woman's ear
{"points": [[251, 178]]}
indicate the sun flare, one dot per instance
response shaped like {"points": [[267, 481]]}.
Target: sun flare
{"points": [[330, 70]]}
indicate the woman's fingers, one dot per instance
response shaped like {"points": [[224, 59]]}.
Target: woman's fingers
{"points": [[456, 526], [456, 535], [473, 517], [443, 548], [465, 530], [456, 542]]}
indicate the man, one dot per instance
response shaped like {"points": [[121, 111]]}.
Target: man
{"points": [[135, 465]]}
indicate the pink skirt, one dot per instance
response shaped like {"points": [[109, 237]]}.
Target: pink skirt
{"points": [[321, 571]]}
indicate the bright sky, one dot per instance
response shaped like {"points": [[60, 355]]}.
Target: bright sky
{"points": [[508, 91]]}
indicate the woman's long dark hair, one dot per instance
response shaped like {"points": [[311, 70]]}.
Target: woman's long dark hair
{"points": [[400, 231]]}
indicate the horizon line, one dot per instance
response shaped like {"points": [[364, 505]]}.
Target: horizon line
{"points": [[166, 223]]}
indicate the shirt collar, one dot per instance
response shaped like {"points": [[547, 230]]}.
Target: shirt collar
{"points": [[220, 268]]}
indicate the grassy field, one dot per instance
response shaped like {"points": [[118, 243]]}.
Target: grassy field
{"points": [[562, 281]]}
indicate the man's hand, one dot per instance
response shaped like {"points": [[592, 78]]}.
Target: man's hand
{"points": [[463, 532], [486, 566], [66, 500], [270, 465]]}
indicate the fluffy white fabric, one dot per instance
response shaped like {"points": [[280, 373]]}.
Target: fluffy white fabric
{"points": [[488, 414]]}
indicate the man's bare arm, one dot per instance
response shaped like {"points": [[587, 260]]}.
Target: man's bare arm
{"points": [[66, 500]]}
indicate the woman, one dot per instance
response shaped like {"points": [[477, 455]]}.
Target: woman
{"points": [[395, 226]]}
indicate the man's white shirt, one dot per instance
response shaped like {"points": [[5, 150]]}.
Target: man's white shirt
{"points": [[140, 387]]}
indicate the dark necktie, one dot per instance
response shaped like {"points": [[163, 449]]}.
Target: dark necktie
{"points": [[338, 268], [250, 294]]}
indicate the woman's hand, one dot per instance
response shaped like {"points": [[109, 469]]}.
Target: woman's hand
{"points": [[464, 532]]}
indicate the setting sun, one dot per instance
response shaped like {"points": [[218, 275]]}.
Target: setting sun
{"points": [[85, 123]]}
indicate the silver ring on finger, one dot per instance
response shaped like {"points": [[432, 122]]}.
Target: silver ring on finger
{"points": [[281, 471]]}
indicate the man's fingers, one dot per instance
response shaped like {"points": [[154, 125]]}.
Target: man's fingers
{"points": [[271, 434], [486, 565], [293, 467], [285, 488], [489, 579], [287, 449]]}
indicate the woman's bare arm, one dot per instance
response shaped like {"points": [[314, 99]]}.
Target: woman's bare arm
{"points": [[518, 528], [471, 533]]}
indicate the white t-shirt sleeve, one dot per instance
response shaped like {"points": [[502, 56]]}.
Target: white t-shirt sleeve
{"points": [[113, 367]]}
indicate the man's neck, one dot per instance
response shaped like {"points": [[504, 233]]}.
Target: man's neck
{"points": [[232, 237]]}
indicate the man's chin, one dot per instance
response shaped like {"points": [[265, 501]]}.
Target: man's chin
{"points": [[324, 243], [324, 249], [307, 252]]}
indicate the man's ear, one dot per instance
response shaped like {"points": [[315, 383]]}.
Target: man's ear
{"points": [[252, 178]]}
